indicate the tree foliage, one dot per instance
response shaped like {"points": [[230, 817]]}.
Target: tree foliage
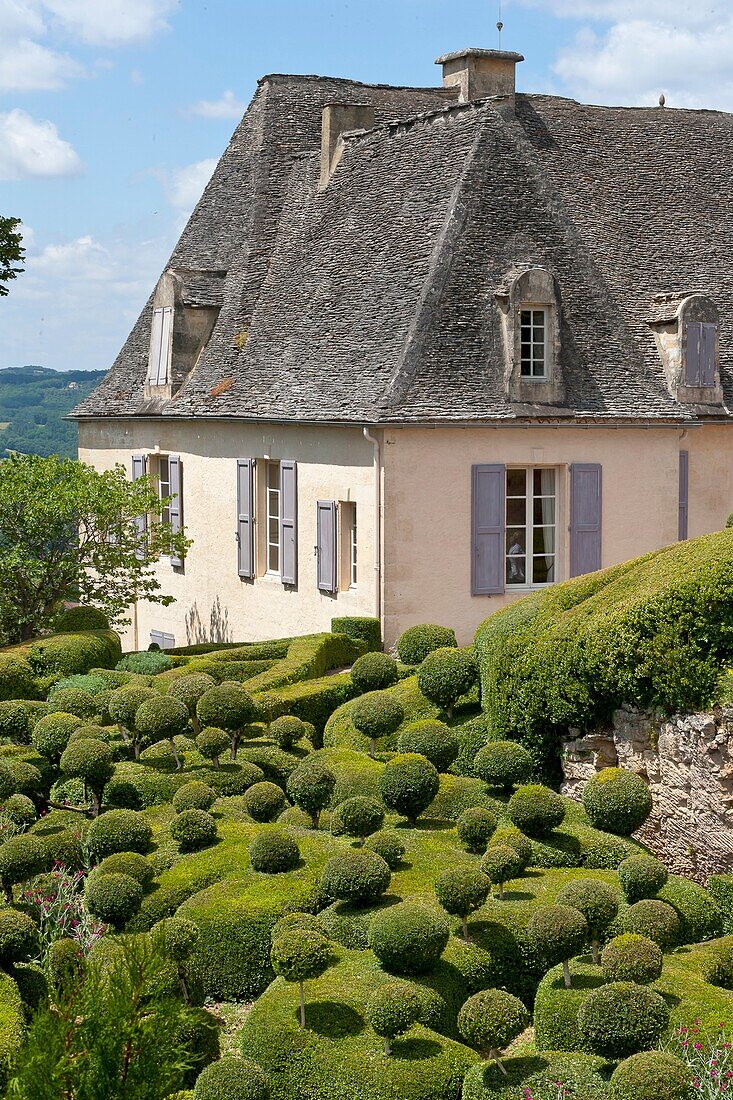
{"points": [[12, 252]]}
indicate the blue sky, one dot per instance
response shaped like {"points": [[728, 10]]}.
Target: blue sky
{"points": [[113, 113]]}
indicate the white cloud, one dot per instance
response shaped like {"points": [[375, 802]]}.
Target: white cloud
{"points": [[112, 22], [82, 259], [228, 106], [26, 66], [185, 186], [31, 149]]}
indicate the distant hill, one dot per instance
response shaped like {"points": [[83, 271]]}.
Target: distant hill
{"points": [[33, 402]]}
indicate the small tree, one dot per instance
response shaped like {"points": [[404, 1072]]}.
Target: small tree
{"points": [[536, 809], [503, 764], [622, 1018], [490, 1020], [557, 933], [433, 740], [228, 707], [391, 1010], [447, 674], [163, 718], [177, 937], [51, 734], [462, 890], [211, 743], [377, 715], [12, 251], [502, 864], [21, 858], [288, 730], [310, 787], [123, 705], [408, 784], [374, 672], [641, 876], [475, 828], [597, 901], [299, 956], [188, 690], [93, 762], [358, 817]]}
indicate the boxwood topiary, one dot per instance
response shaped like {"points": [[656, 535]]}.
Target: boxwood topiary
{"points": [[75, 701], [264, 801], [503, 764], [632, 958], [298, 956], [555, 934], [51, 734], [535, 809], [445, 675], [20, 809], [193, 829], [357, 876], [288, 730], [617, 801], [415, 643], [641, 876], [163, 718], [358, 817], [475, 827], [212, 743], [461, 890], [18, 938], [118, 831], [21, 777], [431, 739], [651, 1075], [387, 844], [113, 898], [194, 796], [622, 1018], [374, 672], [127, 863], [18, 717], [391, 1010], [92, 761], [232, 1079], [17, 678], [514, 838], [597, 901], [502, 864], [310, 787], [274, 851], [361, 627], [491, 1019], [654, 919], [64, 966], [296, 920], [21, 858], [377, 716], [81, 618], [408, 938], [188, 690], [228, 707], [408, 784], [124, 702]]}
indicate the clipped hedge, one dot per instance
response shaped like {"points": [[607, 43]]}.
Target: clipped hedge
{"points": [[308, 658], [361, 628], [67, 654]]}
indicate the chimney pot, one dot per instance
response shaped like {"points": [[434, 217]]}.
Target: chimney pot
{"points": [[336, 120], [481, 73]]}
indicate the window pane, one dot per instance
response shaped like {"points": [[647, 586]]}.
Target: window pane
{"points": [[543, 570], [544, 540], [526, 318], [273, 475], [538, 318], [516, 541], [544, 483], [273, 559], [516, 570], [516, 483], [544, 511], [516, 512]]}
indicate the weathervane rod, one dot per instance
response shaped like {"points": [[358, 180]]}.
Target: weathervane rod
{"points": [[500, 24]]}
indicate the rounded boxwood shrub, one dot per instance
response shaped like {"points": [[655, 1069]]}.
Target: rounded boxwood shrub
{"points": [[514, 838], [212, 743], [414, 644], [264, 801], [374, 672], [161, 719], [65, 966], [118, 831], [274, 851], [299, 955], [641, 876], [535, 809], [654, 919], [387, 844], [377, 715], [622, 1018], [80, 618], [189, 689], [177, 937], [232, 1079], [357, 876], [20, 777], [503, 764], [391, 1010], [310, 786], [17, 679], [445, 675], [148, 662], [18, 717], [127, 863], [51, 734], [21, 858], [408, 938], [90, 732], [492, 1019], [475, 827], [651, 1075], [227, 707], [124, 702], [596, 900], [296, 920], [555, 934], [632, 958], [20, 809], [113, 898], [18, 938], [408, 784], [461, 890], [75, 701], [617, 801], [431, 739], [193, 829], [194, 796], [91, 761], [288, 730], [502, 864], [358, 817], [119, 794]]}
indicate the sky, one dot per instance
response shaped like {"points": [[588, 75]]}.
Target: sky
{"points": [[113, 114]]}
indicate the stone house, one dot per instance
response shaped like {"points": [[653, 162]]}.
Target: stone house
{"points": [[421, 350]]}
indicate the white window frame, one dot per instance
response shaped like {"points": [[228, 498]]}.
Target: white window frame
{"points": [[353, 545], [531, 376], [164, 483], [528, 582], [273, 511]]}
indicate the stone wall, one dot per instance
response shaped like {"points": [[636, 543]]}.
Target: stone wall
{"points": [[688, 762]]}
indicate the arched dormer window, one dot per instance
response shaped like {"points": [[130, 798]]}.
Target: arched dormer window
{"points": [[685, 328], [530, 324]]}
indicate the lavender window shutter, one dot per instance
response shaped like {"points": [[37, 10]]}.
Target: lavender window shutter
{"points": [[488, 529], [139, 469], [289, 522], [693, 338], [585, 518], [684, 495], [326, 545], [245, 518], [707, 354], [176, 506]]}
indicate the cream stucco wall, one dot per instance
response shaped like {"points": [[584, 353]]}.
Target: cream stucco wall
{"points": [[427, 504], [333, 464]]}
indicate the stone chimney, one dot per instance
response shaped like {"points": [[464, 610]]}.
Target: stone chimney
{"points": [[481, 73], [338, 119]]}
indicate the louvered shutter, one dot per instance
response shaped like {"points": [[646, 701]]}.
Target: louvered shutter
{"points": [[156, 334], [289, 522], [693, 336], [708, 339], [683, 495], [585, 518], [488, 529], [175, 511], [139, 469], [326, 545], [245, 518]]}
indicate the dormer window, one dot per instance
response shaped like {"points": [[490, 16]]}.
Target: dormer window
{"points": [[161, 343], [700, 353], [685, 328], [533, 347]]}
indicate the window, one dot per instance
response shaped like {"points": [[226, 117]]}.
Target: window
{"points": [[164, 483], [161, 332], [272, 494], [531, 499], [534, 343], [352, 545]]}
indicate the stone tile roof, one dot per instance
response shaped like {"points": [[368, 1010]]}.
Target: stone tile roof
{"points": [[373, 300]]}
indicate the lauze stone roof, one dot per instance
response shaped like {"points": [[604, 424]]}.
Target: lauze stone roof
{"points": [[374, 300]]}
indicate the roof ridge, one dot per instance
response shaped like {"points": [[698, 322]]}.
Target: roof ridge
{"points": [[312, 77]]}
